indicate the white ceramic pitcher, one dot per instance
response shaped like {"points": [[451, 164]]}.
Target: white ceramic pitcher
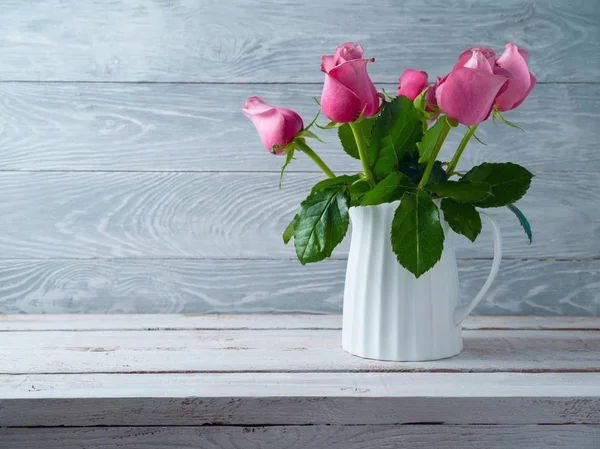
{"points": [[388, 313]]}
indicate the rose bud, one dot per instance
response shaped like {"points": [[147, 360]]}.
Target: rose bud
{"points": [[275, 126], [464, 57], [468, 93], [513, 61], [348, 91], [412, 83]]}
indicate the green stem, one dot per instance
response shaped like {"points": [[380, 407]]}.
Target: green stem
{"points": [[302, 146], [435, 151], [362, 152], [461, 147]]}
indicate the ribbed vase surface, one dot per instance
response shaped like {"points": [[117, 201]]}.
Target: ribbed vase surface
{"points": [[388, 313]]}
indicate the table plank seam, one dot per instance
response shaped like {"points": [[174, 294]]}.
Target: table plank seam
{"points": [[200, 329], [396, 369], [224, 424]]}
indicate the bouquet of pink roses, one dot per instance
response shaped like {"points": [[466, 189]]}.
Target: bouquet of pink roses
{"points": [[397, 141]]}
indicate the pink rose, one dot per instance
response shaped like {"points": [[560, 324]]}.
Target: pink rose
{"points": [[412, 83], [521, 82], [464, 57], [275, 126], [430, 95], [348, 90], [468, 93]]}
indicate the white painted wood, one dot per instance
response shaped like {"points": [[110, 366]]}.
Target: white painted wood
{"points": [[176, 127], [314, 437], [280, 351], [298, 398], [180, 215], [491, 386], [266, 41], [531, 322], [153, 322], [253, 370], [523, 287]]}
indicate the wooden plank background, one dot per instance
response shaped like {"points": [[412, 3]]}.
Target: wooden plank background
{"points": [[130, 182], [311, 437], [273, 381], [309, 351]]}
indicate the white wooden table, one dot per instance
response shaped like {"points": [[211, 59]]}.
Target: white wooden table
{"points": [[173, 381]]}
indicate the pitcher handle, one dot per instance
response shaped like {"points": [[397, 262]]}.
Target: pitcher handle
{"points": [[460, 313]]}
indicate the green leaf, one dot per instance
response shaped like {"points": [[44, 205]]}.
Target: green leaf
{"points": [[463, 218], [429, 140], [419, 101], [357, 190], [347, 136], [508, 181], [343, 180], [526, 226], [321, 223], [438, 174], [288, 158], [395, 134], [464, 191], [410, 166], [421, 104], [310, 134], [347, 140], [390, 189], [288, 233], [417, 234]]}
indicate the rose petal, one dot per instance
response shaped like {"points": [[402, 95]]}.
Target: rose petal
{"points": [[275, 126], [532, 84], [520, 83], [430, 95], [338, 103], [255, 105], [464, 57], [327, 63], [347, 52], [412, 83], [479, 63], [467, 96], [353, 75]]}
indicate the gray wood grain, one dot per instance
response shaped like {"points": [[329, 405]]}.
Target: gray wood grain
{"points": [[198, 215], [269, 41], [197, 220], [523, 287], [256, 351], [189, 388], [314, 437], [195, 321], [279, 386], [200, 127], [298, 398]]}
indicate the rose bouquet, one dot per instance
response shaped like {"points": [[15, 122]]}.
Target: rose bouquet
{"points": [[398, 139]]}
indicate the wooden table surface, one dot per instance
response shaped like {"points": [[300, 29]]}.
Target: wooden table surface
{"points": [[283, 381]]}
